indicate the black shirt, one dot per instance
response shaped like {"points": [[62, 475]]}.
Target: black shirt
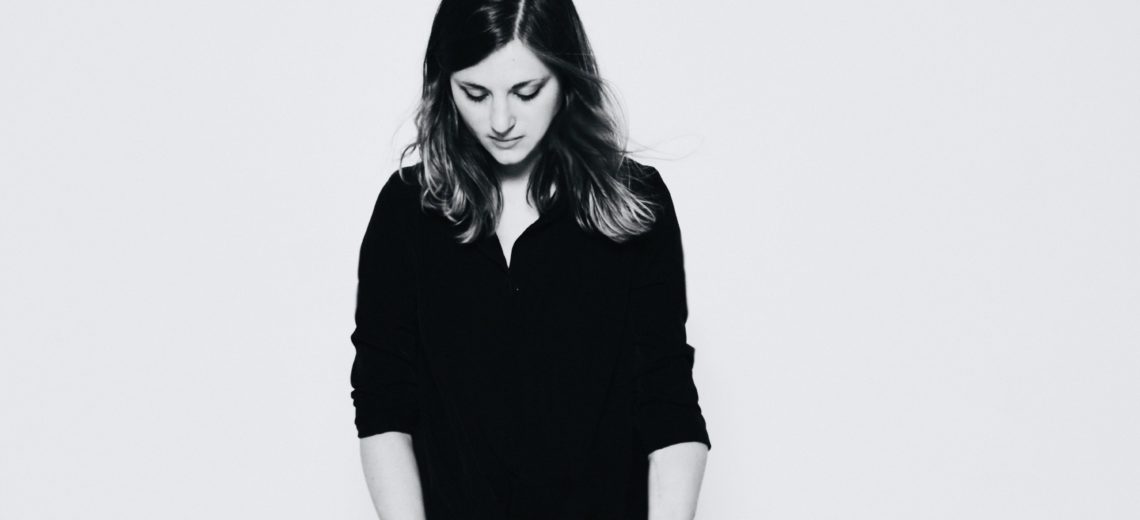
{"points": [[534, 391]]}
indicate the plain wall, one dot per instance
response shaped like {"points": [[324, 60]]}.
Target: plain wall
{"points": [[911, 236]]}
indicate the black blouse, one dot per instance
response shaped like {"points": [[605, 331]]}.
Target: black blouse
{"points": [[534, 391]]}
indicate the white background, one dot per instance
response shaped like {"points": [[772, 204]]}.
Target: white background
{"points": [[911, 234]]}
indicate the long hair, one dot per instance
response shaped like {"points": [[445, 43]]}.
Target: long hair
{"points": [[583, 154]]}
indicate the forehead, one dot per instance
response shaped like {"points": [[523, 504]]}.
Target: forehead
{"points": [[508, 65]]}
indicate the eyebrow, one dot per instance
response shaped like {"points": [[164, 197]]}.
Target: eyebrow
{"points": [[513, 87]]}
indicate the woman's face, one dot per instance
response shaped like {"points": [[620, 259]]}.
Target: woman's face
{"points": [[507, 101]]}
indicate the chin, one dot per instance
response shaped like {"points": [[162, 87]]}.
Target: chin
{"points": [[509, 157]]}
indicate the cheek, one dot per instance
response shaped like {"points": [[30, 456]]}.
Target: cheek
{"points": [[470, 116], [546, 111]]}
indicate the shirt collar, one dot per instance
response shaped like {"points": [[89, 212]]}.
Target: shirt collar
{"points": [[492, 247]]}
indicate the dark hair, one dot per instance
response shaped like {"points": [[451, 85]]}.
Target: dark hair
{"points": [[583, 154]]}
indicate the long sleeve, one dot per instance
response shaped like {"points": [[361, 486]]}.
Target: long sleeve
{"points": [[667, 411], [383, 373]]}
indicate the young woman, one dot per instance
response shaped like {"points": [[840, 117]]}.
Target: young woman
{"points": [[520, 322]]}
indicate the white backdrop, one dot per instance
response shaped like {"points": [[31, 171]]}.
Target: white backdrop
{"points": [[911, 235]]}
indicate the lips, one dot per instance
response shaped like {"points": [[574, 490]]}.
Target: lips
{"points": [[506, 143]]}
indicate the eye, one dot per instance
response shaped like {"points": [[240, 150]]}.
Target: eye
{"points": [[528, 97], [474, 98]]}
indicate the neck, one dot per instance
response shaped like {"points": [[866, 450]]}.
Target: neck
{"points": [[516, 174]]}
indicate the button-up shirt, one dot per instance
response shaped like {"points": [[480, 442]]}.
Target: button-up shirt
{"points": [[534, 390]]}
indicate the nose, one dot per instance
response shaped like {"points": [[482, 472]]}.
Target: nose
{"points": [[501, 119]]}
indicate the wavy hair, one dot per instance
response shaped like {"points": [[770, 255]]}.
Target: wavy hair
{"points": [[583, 154]]}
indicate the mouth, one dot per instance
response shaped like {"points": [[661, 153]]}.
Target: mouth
{"points": [[506, 143]]}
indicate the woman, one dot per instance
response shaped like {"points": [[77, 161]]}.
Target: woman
{"points": [[520, 322]]}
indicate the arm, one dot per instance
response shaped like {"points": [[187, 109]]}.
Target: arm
{"points": [[392, 476], [383, 373], [675, 474], [668, 416]]}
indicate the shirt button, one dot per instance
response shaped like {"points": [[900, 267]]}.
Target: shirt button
{"points": [[516, 288]]}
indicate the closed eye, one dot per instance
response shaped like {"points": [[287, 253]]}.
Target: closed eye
{"points": [[475, 99], [479, 99], [537, 84], [528, 97]]}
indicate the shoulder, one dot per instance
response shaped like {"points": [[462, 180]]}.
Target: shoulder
{"points": [[395, 205], [402, 187], [649, 198], [645, 180], [400, 193], [648, 183]]}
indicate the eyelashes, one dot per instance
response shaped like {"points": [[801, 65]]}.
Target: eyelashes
{"points": [[482, 98]]}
